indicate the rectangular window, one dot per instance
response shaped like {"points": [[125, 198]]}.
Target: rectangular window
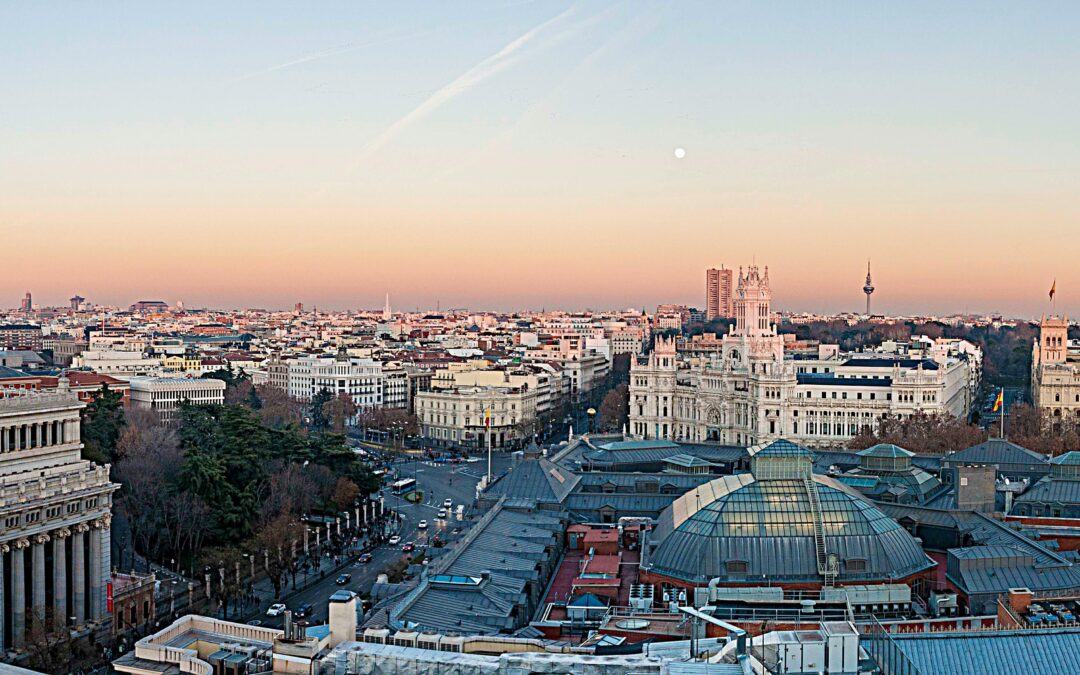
{"points": [[737, 567]]}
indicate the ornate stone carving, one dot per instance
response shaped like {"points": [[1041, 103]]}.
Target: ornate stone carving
{"points": [[41, 538], [4, 548], [81, 527], [62, 533], [22, 543], [102, 522]]}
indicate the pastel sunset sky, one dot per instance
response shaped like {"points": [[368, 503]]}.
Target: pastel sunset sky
{"points": [[515, 154]]}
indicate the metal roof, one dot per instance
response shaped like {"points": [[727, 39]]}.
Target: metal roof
{"points": [[1071, 458], [537, 479], [885, 450], [996, 451], [1038, 652], [770, 526], [1052, 490]]}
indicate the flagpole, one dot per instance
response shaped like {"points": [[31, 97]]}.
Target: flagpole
{"points": [[1003, 413]]}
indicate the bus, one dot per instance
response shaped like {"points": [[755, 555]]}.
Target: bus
{"points": [[402, 486]]}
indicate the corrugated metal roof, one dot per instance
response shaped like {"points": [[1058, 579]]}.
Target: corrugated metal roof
{"points": [[1051, 490], [996, 451], [1042, 652]]}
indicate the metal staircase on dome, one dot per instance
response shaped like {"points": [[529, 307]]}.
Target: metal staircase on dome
{"points": [[826, 567]]}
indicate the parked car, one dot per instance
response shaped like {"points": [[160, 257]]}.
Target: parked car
{"points": [[408, 547], [303, 611], [276, 609], [343, 579], [422, 525], [365, 558], [395, 540]]}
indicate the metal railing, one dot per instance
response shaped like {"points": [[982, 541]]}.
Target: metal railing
{"points": [[881, 646]]}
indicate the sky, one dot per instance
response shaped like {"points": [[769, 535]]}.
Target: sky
{"points": [[515, 154]]}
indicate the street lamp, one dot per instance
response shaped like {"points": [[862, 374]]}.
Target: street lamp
{"points": [[591, 412]]}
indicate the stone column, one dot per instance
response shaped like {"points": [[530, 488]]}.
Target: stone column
{"points": [[38, 599], [97, 596], [4, 548], [60, 585], [18, 593], [78, 573]]}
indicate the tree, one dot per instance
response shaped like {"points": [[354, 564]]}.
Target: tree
{"points": [[338, 411], [345, 493], [147, 473], [921, 434], [390, 419], [277, 409], [223, 570], [278, 540], [319, 420], [1033, 429], [102, 423], [615, 409], [52, 650]]}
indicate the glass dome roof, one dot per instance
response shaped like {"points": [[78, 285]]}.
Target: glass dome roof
{"points": [[745, 530]]}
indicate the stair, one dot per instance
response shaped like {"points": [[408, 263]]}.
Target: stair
{"points": [[824, 570]]}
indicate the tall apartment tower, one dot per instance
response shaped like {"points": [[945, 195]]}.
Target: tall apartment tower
{"points": [[27, 303], [719, 301]]}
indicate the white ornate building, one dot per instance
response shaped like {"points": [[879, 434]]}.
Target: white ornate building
{"points": [[751, 392], [54, 518], [1055, 373]]}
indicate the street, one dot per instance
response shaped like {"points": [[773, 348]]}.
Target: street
{"points": [[437, 482]]}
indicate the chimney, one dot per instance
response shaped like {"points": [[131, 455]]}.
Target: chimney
{"points": [[975, 487], [342, 618]]}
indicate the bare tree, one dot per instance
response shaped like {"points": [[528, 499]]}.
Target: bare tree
{"points": [[340, 410], [278, 408]]}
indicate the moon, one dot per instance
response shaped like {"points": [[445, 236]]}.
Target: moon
{"points": [[680, 153]]}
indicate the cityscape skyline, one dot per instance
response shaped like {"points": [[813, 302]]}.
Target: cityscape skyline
{"points": [[483, 304], [252, 165]]}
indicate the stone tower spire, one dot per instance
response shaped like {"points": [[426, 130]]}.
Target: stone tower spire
{"points": [[387, 315]]}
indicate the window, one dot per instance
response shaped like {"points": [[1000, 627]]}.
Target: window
{"points": [[736, 567], [855, 565]]}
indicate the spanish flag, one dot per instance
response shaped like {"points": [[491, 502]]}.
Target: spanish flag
{"points": [[1000, 400], [1053, 289], [487, 418]]}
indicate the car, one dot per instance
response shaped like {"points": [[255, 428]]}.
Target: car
{"points": [[276, 609], [447, 503], [395, 540], [408, 547], [442, 514], [303, 610], [365, 558], [422, 525], [343, 579]]}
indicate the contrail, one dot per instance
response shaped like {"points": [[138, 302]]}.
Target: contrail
{"points": [[333, 51], [475, 75]]}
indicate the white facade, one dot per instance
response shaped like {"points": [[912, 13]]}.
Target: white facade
{"points": [[164, 395], [395, 386], [479, 417], [749, 392], [1055, 373], [362, 379], [117, 362], [54, 508]]}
